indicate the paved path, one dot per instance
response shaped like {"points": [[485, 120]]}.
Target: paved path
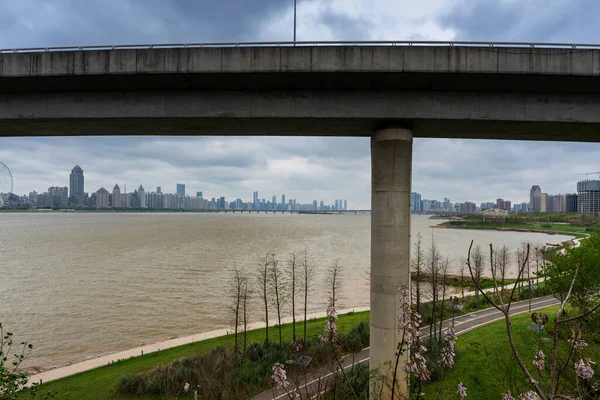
{"points": [[462, 324]]}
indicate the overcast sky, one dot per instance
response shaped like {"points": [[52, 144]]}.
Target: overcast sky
{"points": [[315, 168]]}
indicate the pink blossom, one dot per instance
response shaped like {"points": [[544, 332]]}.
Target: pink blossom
{"points": [[539, 360], [330, 324], [531, 395], [584, 369], [576, 340], [507, 396], [417, 364], [461, 390], [279, 376], [447, 354], [408, 319]]}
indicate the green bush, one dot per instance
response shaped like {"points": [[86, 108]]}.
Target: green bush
{"points": [[357, 339]]}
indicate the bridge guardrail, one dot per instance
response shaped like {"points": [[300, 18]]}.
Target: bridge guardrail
{"points": [[580, 46]]}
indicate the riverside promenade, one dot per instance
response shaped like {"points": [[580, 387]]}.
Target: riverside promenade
{"points": [[101, 361]]}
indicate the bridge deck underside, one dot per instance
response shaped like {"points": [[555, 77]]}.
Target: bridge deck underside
{"points": [[364, 127]]}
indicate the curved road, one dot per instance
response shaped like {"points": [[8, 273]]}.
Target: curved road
{"points": [[462, 324]]}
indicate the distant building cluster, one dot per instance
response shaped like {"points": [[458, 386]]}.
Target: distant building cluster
{"points": [[585, 201], [75, 196]]}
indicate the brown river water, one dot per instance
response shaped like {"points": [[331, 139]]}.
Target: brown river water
{"points": [[78, 285]]}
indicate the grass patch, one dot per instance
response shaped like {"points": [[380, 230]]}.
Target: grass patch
{"points": [[534, 226], [485, 365], [101, 383]]}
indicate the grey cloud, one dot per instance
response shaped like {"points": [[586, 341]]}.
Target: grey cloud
{"points": [[43, 23], [571, 21]]}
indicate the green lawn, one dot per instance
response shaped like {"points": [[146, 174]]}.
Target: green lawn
{"points": [[100, 383], [484, 362]]}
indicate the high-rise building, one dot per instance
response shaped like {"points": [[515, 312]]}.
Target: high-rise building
{"points": [[76, 186], [102, 198], [415, 202], [59, 195], [158, 189], [315, 205], [507, 205], [180, 189], [283, 201], [198, 194], [337, 205], [222, 203], [500, 204], [142, 200], [345, 204], [255, 200], [588, 196], [535, 195], [116, 196], [571, 200], [544, 203]]}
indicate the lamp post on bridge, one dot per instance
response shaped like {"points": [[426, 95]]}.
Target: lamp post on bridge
{"points": [[294, 22]]}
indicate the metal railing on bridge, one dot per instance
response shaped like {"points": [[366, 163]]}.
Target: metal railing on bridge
{"points": [[581, 46]]}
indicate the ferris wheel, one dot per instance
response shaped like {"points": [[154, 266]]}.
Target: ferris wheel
{"points": [[6, 184]]}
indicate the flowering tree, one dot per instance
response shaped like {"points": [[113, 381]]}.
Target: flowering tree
{"points": [[583, 367], [411, 348]]}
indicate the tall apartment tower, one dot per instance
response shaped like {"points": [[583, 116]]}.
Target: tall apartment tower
{"points": [[116, 196], [76, 186], [535, 199]]}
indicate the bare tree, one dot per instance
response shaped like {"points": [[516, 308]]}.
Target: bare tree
{"points": [[478, 260], [263, 278], [246, 299], [502, 262], [238, 281], [432, 271], [307, 277], [333, 280], [293, 265], [278, 292], [519, 258], [462, 277], [539, 259], [417, 269], [444, 265]]}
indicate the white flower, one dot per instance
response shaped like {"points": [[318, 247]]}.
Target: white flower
{"points": [[584, 369], [576, 340], [330, 325], [186, 387], [417, 364], [408, 319], [447, 354], [539, 360], [531, 395], [461, 390], [279, 376], [507, 396]]}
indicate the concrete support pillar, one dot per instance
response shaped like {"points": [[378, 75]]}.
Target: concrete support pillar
{"points": [[391, 160]]}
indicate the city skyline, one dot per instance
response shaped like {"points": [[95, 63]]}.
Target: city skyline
{"points": [[304, 170], [76, 195]]}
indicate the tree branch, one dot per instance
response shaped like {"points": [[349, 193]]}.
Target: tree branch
{"points": [[477, 284]]}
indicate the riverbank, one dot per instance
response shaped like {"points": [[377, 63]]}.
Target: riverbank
{"points": [[525, 227]]}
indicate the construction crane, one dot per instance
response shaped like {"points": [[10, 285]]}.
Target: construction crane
{"points": [[590, 173]]}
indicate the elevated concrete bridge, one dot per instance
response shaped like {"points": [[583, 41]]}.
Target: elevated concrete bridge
{"points": [[389, 91]]}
